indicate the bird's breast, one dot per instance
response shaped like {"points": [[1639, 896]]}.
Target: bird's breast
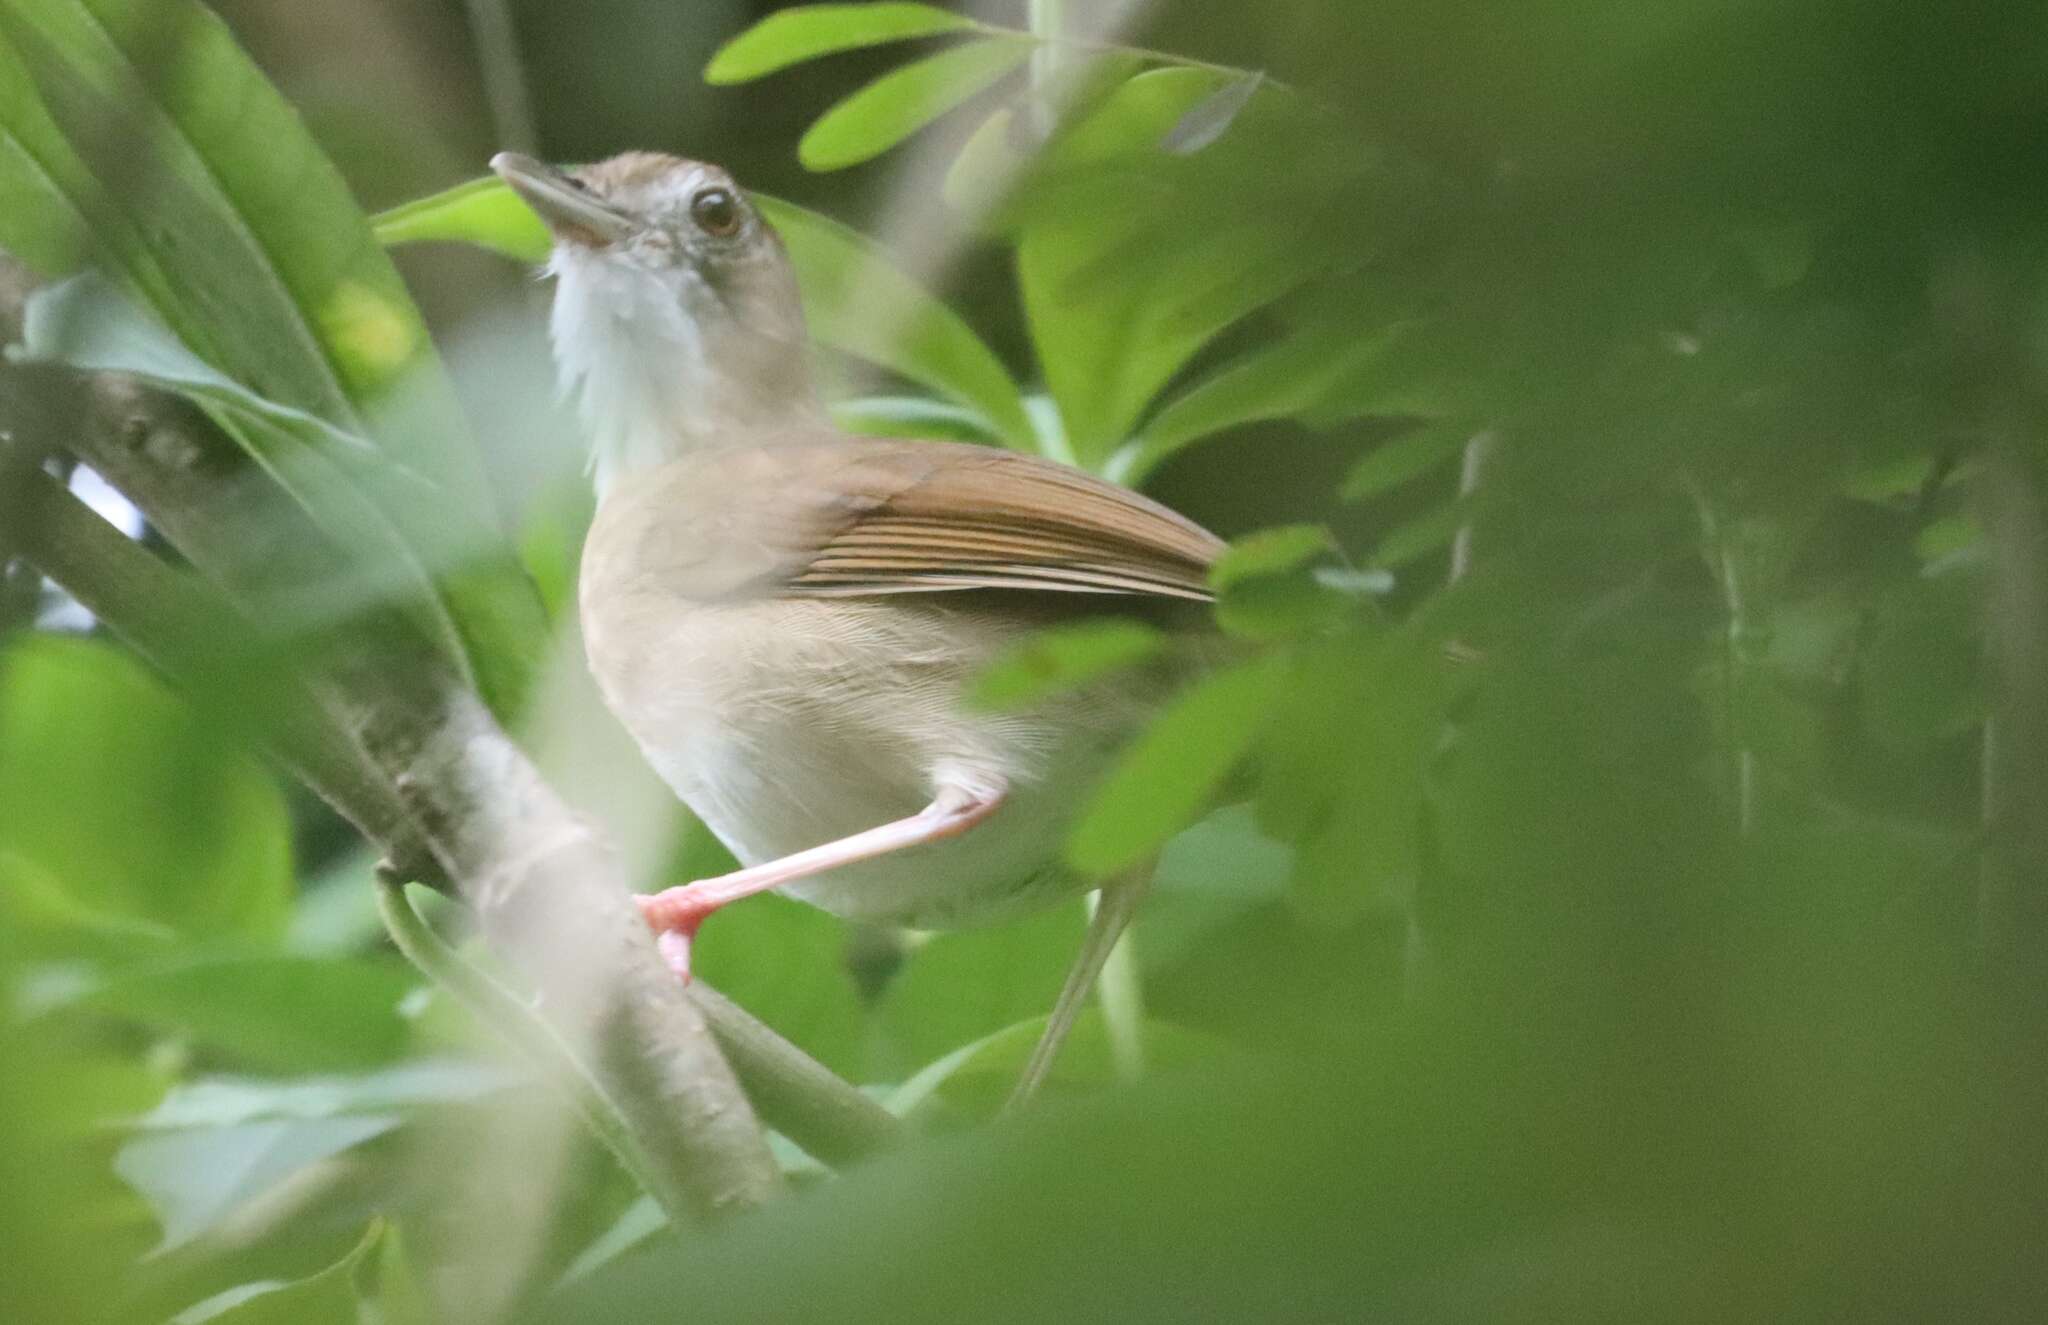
{"points": [[786, 723]]}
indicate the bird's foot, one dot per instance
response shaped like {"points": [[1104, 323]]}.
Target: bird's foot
{"points": [[674, 915]]}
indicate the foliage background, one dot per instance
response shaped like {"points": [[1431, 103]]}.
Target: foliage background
{"points": [[1631, 417]]}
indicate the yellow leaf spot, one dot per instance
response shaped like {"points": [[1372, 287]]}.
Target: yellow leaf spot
{"points": [[371, 336]]}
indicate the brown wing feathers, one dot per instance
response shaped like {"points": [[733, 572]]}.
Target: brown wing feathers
{"points": [[959, 517]]}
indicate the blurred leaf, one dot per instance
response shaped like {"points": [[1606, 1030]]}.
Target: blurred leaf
{"points": [[1210, 118], [1422, 535], [901, 102], [856, 300], [1265, 589], [120, 796], [68, 1223], [278, 1013], [1269, 552], [911, 416], [1408, 456], [1114, 311], [483, 212], [233, 228], [1361, 842], [640, 1221], [232, 1101], [977, 1078], [336, 911], [1921, 669], [1208, 877], [1950, 542], [327, 1298], [1292, 377], [999, 154], [956, 987], [1062, 658], [40, 225], [785, 963], [87, 323], [1167, 777], [805, 32], [196, 1178], [401, 1294]]}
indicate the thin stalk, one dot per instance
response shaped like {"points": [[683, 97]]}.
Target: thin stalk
{"points": [[1048, 22], [1121, 991], [1994, 902], [1721, 557], [504, 76]]}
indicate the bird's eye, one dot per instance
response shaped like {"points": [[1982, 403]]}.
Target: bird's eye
{"points": [[577, 184], [716, 212]]}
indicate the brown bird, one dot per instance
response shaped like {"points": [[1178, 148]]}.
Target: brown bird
{"points": [[785, 617]]}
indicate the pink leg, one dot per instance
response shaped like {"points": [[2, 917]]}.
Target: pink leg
{"points": [[675, 913]]}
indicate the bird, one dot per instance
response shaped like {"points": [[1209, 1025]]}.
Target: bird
{"points": [[787, 618]]}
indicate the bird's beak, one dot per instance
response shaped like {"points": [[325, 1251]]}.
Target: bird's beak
{"points": [[570, 212]]}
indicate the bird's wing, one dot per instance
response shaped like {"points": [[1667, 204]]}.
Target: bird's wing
{"points": [[851, 517]]}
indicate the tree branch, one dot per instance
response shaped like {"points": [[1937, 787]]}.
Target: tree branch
{"points": [[424, 769]]}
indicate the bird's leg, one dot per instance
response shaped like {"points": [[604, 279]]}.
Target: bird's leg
{"points": [[675, 913], [1114, 907]]}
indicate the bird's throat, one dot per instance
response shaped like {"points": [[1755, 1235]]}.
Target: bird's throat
{"points": [[661, 371]]}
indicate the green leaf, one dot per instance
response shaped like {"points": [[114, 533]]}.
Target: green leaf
{"points": [[1269, 552], [327, 1298], [1211, 117], [910, 416], [130, 805], [483, 212], [1134, 260], [635, 1225], [205, 197], [227, 1101], [195, 1178], [288, 1014], [1264, 588], [1062, 658], [784, 962], [87, 323], [858, 301], [977, 1078], [1421, 536], [1405, 457], [39, 225], [1167, 778], [401, 1294], [1294, 376], [805, 32], [901, 102], [958, 986]]}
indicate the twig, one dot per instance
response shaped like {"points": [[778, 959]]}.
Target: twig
{"points": [[797, 1095]]}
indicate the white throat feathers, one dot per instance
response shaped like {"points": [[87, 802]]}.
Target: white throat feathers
{"points": [[663, 362]]}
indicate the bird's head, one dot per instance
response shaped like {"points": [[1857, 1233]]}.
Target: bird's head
{"points": [[676, 319]]}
